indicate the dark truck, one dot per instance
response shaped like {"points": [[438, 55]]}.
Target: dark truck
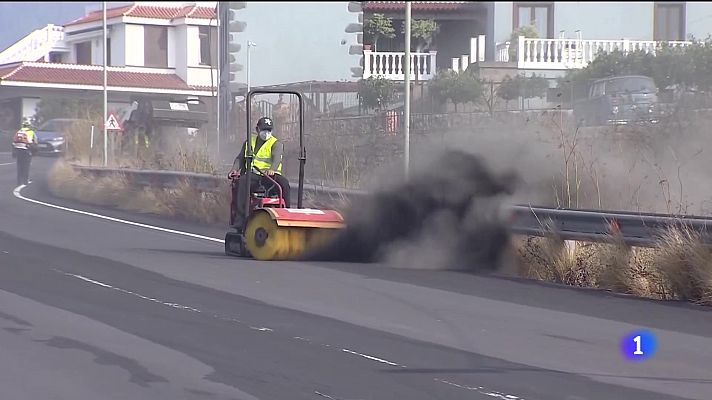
{"points": [[620, 100], [162, 123]]}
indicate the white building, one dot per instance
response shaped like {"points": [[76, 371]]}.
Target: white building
{"points": [[159, 49], [569, 34]]}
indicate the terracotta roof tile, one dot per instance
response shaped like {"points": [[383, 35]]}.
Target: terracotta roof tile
{"points": [[418, 5], [146, 11], [72, 74], [6, 70], [98, 15], [203, 12], [196, 12]]}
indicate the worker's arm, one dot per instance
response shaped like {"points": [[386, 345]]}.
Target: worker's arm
{"points": [[277, 153], [239, 164]]}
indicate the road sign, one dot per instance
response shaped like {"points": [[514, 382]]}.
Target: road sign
{"points": [[112, 124]]}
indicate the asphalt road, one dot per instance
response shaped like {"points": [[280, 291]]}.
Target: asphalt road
{"points": [[96, 308]]}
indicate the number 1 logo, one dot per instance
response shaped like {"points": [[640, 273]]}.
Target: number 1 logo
{"points": [[638, 345], [638, 351]]}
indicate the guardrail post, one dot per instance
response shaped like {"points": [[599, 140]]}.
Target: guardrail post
{"points": [[570, 246]]}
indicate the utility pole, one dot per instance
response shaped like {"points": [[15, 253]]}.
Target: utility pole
{"points": [[406, 107], [106, 113], [249, 44], [218, 127]]}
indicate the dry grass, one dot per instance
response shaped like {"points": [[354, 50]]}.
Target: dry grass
{"points": [[686, 265], [78, 140], [184, 202], [188, 203], [106, 191], [679, 267], [183, 159]]}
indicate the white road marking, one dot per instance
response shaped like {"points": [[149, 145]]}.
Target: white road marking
{"points": [[85, 279], [380, 360], [482, 390], [172, 305], [182, 307], [254, 328], [10, 163], [18, 194]]}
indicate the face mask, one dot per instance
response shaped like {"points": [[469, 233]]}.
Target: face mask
{"points": [[264, 135]]}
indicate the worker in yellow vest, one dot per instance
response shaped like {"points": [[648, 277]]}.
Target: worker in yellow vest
{"points": [[268, 154], [24, 144]]}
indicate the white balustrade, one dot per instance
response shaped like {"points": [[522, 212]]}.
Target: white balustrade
{"points": [[390, 65], [34, 46], [502, 52], [572, 53]]}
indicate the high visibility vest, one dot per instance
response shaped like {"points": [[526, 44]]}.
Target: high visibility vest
{"points": [[23, 138], [146, 140], [263, 156]]}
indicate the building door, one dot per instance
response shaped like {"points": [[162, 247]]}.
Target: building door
{"points": [[538, 14]]}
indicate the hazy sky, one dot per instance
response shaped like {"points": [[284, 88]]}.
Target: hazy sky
{"points": [[18, 19], [297, 41]]}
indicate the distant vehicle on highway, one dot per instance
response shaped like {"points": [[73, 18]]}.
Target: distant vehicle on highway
{"points": [[620, 100], [51, 135]]}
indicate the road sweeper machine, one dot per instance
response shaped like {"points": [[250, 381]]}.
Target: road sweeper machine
{"points": [[271, 231]]}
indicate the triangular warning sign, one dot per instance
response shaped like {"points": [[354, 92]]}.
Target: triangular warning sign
{"points": [[112, 124]]}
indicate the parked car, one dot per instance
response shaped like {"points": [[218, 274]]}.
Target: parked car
{"points": [[620, 100], [51, 135]]}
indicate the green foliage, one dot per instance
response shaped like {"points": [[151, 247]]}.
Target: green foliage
{"points": [[375, 91], [422, 28], [51, 108], [458, 87], [528, 31], [689, 66], [528, 88], [378, 26]]}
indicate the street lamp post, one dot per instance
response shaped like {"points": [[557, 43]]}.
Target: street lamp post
{"points": [[249, 44], [406, 106], [106, 135]]}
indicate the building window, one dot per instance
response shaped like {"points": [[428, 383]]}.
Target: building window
{"points": [[155, 47], [539, 14], [83, 52], [669, 21], [108, 51], [208, 45], [55, 57]]}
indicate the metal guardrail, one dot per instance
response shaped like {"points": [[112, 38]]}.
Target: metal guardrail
{"points": [[639, 229], [204, 182]]}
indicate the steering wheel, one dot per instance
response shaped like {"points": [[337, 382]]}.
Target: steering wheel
{"points": [[273, 182]]}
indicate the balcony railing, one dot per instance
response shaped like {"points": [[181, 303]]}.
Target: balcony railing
{"points": [[570, 53], [35, 46], [390, 65]]}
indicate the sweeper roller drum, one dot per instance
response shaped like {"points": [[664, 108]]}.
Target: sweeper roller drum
{"points": [[286, 234]]}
